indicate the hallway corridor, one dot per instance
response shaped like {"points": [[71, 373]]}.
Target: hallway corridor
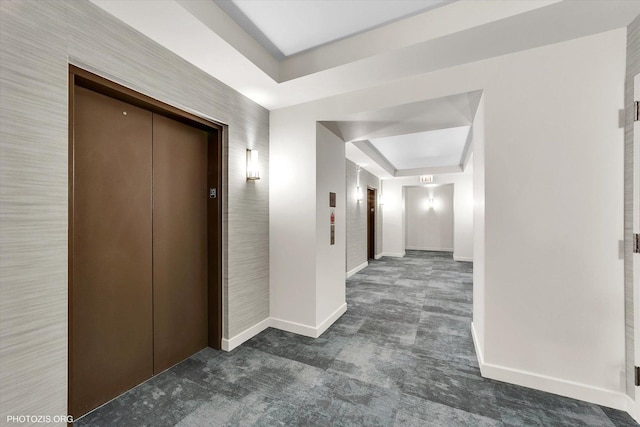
{"points": [[401, 355]]}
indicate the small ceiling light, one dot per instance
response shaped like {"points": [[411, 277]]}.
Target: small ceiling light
{"points": [[253, 169]]}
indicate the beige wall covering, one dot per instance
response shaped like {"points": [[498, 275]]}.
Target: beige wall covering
{"points": [[633, 68], [38, 40]]}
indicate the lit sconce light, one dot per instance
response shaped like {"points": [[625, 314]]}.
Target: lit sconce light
{"points": [[359, 193], [431, 204], [380, 200], [253, 169]]}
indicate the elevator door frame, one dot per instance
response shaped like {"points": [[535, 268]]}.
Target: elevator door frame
{"points": [[88, 80]]}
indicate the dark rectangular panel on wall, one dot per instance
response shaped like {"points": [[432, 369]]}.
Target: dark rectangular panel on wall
{"points": [[371, 223], [111, 347], [180, 197]]}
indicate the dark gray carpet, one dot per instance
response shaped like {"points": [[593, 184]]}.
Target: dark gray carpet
{"points": [[401, 355]]}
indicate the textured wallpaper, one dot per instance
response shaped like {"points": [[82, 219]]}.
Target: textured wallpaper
{"points": [[633, 68], [38, 39]]}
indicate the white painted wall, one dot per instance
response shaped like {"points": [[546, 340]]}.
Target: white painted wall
{"points": [[554, 314], [292, 223], [395, 234], [331, 259], [307, 275], [429, 229], [478, 230], [463, 214], [554, 216]]}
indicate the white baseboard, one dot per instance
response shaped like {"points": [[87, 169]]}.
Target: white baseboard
{"points": [[631, 409], [331, 319], [306, 330], [574, 390], [423, 248], [462, 258], [380, 255], [393, 254], [476, 344], [358, 268], [296, 328], [284, 325], [247, 334]]}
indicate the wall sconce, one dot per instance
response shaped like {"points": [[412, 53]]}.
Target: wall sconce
{"points": [[431, 204], [380, 200], [253, 169], [359, 193]]}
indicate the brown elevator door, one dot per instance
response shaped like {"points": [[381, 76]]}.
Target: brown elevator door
{"points": [[179, 241], [371, 223], [111, 296]]}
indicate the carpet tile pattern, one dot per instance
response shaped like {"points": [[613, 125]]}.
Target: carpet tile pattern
{"points": [[402, 355]]}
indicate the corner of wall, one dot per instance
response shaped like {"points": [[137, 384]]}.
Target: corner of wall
{"points": [[478, 227], [330, 253]]}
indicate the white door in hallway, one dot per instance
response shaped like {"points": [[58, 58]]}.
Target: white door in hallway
{"points": [[636, 229]]}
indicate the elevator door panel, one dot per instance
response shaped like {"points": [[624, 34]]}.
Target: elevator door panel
{"points": [[111, 286], [180, 197]]}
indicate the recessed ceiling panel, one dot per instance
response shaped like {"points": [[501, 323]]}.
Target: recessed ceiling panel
{"points": [[354, 154], [431, 114], [286, 27], [436, 148]]}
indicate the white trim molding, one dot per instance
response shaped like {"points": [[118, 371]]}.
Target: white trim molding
{"points": [[380, 255], [422, 248], [393, 254], [462, 258], [476, 344], [631, 409], [296, 328], [306, 330], [246, 335], [562, 387], [358, 268], [283, 325], [330, 320]]}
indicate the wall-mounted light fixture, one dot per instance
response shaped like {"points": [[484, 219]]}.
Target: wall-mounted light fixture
{"points": [[431, 204], [253, 168], [380, 199]]}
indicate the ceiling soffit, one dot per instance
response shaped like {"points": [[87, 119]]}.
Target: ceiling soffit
{"points": [[285, 28], [430, 115], [454, 34]]}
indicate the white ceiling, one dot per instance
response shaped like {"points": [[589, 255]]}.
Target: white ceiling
{"points": [[286, 27], [358, 157], [430, 118], [451, 34], [436, 148], [457, 33], [429, 114]]}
